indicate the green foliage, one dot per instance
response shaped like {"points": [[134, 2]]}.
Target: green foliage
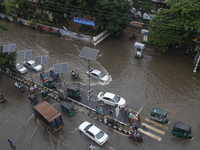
{"points": [[113, 15], [180, 20], [7, 60], [10, 7], [89, 30], [3, 26]]}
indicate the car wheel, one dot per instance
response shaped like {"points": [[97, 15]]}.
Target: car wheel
{"points": [[101, 102]]}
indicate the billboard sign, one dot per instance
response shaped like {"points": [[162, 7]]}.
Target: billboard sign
{"points": [[84, 21]]}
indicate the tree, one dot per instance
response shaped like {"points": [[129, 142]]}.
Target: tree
{"points": [[174, 24], [113, 15], [7, 60]]}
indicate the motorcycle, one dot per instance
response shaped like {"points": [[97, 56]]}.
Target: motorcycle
{"points": [[20, 87], [132, 37], [138, 139], [45, 95], [74, 75]]}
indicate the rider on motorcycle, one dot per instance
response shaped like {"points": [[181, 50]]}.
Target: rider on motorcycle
{"points": [[19, 86], [136, 135], [74, 74]]}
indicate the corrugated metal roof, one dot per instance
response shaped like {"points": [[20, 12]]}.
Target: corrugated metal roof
{"points": [[47, 111]]}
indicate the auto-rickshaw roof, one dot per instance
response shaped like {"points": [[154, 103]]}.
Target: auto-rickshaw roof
{"points": [[67, 105], [182, 126], [72, 87], [159, 111]]}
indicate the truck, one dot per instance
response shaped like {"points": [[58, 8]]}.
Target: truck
{"points": [[49, 116]]}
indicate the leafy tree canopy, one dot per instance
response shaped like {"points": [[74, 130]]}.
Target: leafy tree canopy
{"points": [[7, 60], [180, 20]]}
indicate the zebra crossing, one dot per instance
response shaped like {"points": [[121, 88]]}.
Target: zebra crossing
{"points": [[154, 129]]}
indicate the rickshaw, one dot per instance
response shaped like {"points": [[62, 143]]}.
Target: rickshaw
{"points": [[182, 130], [47, 81], [32, 98], [73, 91], [2, 99], [159, 115], [68, 108]]}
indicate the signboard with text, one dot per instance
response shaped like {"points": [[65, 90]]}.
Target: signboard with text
{"points": [[84, 21]]}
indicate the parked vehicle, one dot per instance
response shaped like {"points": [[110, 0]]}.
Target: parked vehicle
{"points": [[68, 108], [32, 65], [111, 99], [19, 68], [159, 115], [2, 99], [93, 132], [96, 74], [49, 116], [182, 130]]}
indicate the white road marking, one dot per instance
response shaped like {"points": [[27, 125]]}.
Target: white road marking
{"points": [[153, 128], [156, 123], [150, 134]]}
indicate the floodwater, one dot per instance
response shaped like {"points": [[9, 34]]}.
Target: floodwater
{"points": [[158, 80]]}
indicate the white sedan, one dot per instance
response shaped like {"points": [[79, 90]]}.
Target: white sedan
{"points": [[96, 74], [20, 69], [93, 132], [111, 99], [32, 65]]}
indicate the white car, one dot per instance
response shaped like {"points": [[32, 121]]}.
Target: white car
{"points": [[32, 65], [19, 68], [93, 132], [111, 99], [96, 74]]}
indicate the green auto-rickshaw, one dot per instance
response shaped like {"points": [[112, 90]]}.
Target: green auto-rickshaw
{"points": [[68, 108], [73, 91], [182, 130], [159, 115]]}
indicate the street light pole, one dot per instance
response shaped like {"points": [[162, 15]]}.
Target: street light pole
{"points": [[89, 72], [29, 70]]}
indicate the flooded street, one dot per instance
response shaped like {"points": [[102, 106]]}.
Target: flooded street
{"points": [[165, 81]]}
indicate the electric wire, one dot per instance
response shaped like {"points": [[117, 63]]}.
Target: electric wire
{"points": [[82, 11]]}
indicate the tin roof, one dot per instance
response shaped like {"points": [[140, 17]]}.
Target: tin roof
{"points": [[47, 111], [67, 105], [182, 126], [159, 111]]}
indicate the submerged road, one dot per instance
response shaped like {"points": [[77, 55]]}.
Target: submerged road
{"points": [[158, 80]]}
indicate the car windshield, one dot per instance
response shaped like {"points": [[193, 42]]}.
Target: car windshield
{"points": [[116, 98], [101, 75], [19, 66], [89, 126], [100, 135], [34, 64]]}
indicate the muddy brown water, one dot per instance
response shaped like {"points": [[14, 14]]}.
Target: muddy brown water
{"points": [[158, 80]]}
